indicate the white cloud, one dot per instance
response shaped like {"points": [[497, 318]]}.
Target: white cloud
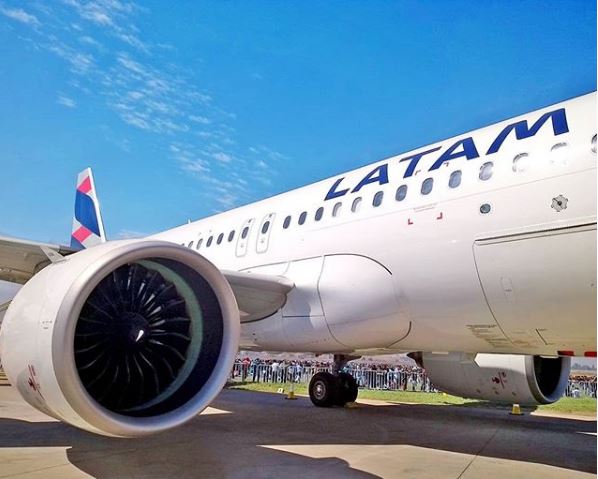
{"points": [[133, 41], [136, 119], [223, 157], [227, 201], [130, 234], [66, 101], [80, 62], [20, 15], [146, 91], [90, 41], [200, 119]]}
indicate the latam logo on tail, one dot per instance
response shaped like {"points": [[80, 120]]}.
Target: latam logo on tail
{"points": [[463, 148], [88, 229]]}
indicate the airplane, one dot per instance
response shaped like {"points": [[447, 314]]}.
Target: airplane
{"points": [[475, 255]]}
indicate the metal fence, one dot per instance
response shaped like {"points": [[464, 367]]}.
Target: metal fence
{"points": [[379, 379], [390, 380], [576, 389]]}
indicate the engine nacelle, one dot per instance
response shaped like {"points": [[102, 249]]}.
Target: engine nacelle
{"points": [[124, 339], [511, 378]]}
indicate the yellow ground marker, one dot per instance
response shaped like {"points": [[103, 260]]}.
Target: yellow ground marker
{"points": [[516, 410], [291, 393]]}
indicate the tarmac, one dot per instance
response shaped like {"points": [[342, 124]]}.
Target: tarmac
{"points": [[260, 435]]}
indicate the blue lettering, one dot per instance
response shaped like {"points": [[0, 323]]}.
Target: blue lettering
{"points": [[332, 193], [377, 175], [559, 126], [468, 150], [414, 160]]}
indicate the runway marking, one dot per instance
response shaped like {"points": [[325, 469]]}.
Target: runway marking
{"points": [[212, 410]]}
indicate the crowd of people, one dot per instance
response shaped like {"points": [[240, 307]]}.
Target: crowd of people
{"points": [[369, 375], [581, 385]]}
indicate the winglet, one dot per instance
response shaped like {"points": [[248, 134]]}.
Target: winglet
{"points": [[88, 228]]}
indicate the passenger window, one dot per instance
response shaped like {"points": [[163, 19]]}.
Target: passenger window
{"points": [[455, 179], [559, 154], [427, 186], [319, 213], [486, 171], [245, 232], [199, 242], [401, 193], [190, 245], [337, 209], [302, 217], [520, 163], [231, 236], [209, 243], [378, 197], [220, 238], [265, 227], [356, 204], [287, 222]]}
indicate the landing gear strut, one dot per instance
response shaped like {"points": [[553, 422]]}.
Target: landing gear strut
{"points": [[336, 388]]}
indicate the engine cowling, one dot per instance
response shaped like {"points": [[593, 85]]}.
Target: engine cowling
{"points": [[511, 378], [124, 339]]}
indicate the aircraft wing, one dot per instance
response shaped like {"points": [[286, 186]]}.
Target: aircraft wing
{"points": [[257, 295], [21, 259]]}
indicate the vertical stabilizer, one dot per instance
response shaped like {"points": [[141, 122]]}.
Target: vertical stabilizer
{"points": [[88, 228]]}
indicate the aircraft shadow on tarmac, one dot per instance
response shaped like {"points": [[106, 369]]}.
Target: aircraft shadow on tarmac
{"points": [[231, 444]]}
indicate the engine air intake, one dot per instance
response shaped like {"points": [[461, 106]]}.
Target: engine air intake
{"points": [[147, 337]]}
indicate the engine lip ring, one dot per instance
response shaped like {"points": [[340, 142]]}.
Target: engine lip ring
{"points": [[96, 416], [532, 380]]}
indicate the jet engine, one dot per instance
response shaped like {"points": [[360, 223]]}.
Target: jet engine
{"points": [[127, 338], [511, 378]]}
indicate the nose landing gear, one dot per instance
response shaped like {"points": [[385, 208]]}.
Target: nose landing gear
{"points": [[333, 389]]}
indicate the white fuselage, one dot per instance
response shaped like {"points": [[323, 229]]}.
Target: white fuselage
{"points": [[502, 262]]}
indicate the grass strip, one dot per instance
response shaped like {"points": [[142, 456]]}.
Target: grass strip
{"points": [[584, 406]]}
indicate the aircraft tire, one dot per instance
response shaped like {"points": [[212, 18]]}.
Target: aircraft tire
{"points": [[324, 389], [347, 389]]}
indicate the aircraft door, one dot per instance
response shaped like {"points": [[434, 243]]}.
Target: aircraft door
{"points": [[263, 235], [243, 238]]}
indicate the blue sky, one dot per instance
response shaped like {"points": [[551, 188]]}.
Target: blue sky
{"points": [[187, 108]]}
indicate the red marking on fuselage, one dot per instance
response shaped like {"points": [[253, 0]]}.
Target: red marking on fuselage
{"points": [[501, 379], [31, 381]]}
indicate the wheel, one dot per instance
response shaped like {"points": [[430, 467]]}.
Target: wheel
{"points": [[323, 389], [347, 389]]}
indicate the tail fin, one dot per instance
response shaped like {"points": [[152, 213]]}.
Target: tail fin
{"points": [[88, 228]]}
